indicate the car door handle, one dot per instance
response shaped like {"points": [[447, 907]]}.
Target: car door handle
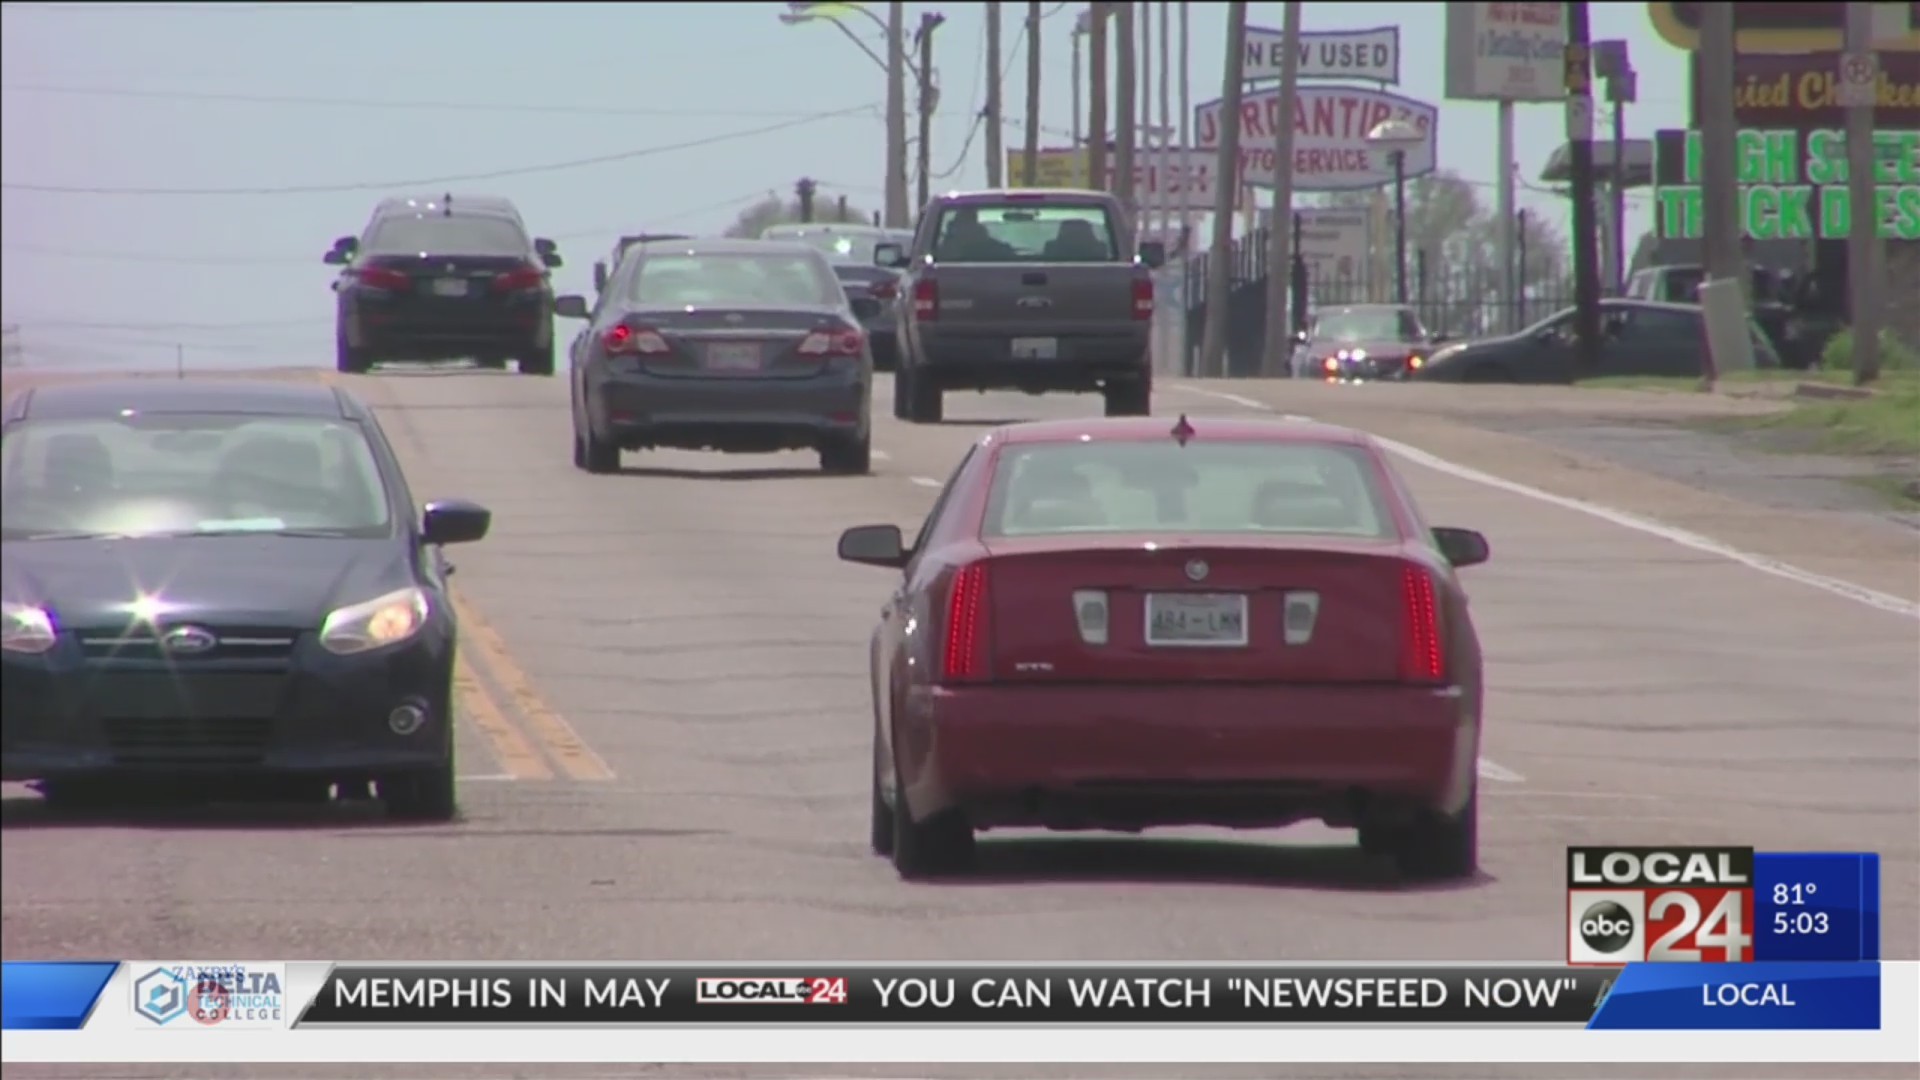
{"points": [[1033, 277]]}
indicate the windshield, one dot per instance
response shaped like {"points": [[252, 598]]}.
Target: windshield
{"points": [[1368, 324], [1240, 487], [706, 280], [838, 246], [435, 234], [1026, 232], [190, 474]]}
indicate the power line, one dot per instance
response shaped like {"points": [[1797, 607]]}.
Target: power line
{"points": [[436, 181], [390, 105], [980, 117], [82, 9]]}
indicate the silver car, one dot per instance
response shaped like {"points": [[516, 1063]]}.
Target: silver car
{"points": [[740, 346]]}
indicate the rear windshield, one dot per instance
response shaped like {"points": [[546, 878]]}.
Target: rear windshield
{"points": [[436, 234], [190, 475], [1368, 324], [706, 280], [854, 249], [1230, 487], [1026, 232]]}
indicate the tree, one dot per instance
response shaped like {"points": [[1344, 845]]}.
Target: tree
{"points": [[1460, 238], [774, 210]]}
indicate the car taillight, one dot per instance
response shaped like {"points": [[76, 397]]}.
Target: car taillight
{"points": [[926, 299], [1143, 298], [626, 340], [377, 278], [883, 290], [526, 277], [1423, 658], [965, 658], [845, 341]]}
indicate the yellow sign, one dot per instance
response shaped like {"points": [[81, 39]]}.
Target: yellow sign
{"points": [[1058, 169], [1779, 27]]}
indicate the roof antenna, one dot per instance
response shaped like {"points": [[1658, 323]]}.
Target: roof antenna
{"points": [[1182, 431], [446, 204]]}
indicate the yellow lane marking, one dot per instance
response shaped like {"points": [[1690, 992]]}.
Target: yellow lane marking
{"points": [[515, 754], [549, 728]]}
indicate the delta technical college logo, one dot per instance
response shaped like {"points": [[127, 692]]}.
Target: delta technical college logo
{"points": [[210, 995]]}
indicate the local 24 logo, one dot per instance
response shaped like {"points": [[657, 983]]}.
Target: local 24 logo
{"points": [[1687, 905]]}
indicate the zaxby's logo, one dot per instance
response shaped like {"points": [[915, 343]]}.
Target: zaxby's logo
{"points": [[211, 995]]}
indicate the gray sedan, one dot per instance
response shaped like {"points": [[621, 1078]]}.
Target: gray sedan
{"points": [[740, 346]]}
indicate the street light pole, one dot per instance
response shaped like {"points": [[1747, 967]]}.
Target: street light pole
{"points": [[896, 182], [929, 99], [1400, 224]]}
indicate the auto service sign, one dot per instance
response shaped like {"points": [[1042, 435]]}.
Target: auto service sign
{"points": [[1330, 148]]}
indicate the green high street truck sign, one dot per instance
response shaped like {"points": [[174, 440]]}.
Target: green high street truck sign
{"points": [[1793, 185]]}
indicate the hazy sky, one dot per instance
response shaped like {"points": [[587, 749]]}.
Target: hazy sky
{"points": [[371, 96]]}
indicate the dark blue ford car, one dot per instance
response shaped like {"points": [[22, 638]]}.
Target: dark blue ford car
{"points": [[221, 588]]}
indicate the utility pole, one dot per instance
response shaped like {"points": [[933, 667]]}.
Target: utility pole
{"points": [[1186, 182], [1719, 136], [1143, 119], [1166, 346], [929, 99], [1126, 95], [803, 191], [1279, 343], [1097, 173], [995, 162], [1031, 170], [1863, 233], [896, 182], [1586, 264], [1213, 343]]}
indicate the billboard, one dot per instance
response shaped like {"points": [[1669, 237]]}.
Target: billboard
{"points": [[1777, 90], [1156, 170], [1780, 27], [1330, 147], [1363, 55], [1506, 52], [1792, 185]]}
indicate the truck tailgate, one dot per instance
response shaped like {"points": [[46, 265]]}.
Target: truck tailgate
{"points": [[1051, 299]]}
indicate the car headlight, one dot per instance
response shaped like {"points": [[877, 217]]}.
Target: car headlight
{"points": [[26, 629], [376, 623]]}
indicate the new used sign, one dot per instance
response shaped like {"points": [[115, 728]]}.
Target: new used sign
{"points": [[1330, 147], [1367, 55]]}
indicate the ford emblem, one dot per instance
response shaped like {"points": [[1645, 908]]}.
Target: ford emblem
{"points": [[1197, 570], [188, 640]]}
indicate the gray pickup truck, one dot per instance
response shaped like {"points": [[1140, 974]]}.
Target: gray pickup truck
{"points": [[1038, 290]]}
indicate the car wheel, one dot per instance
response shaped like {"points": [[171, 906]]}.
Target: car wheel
{"points": [[942, 844], [881, 824], [886, 354], [537, 362], [1131, 398], [848, 457], [421, 794], [595, 454], [348, 360], [902, 395], [925, 403], [579, 451], [1439, 848]]}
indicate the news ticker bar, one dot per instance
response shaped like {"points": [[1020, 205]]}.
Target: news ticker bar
{"points": [[255, 996]]}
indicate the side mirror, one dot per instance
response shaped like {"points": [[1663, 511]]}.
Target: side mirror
{"points": [[455, 521], [890, 256], [336, 257], [1462, 547], [551, 260], [571, 307], [599, 276], [874, 545], [348, 244], [865, 308], [543, 246], [1154, 254]]}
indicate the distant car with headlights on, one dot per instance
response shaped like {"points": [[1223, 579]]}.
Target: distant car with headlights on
{"points": [[850, 248], [1363, 342], [221, 590], [740, 346]]}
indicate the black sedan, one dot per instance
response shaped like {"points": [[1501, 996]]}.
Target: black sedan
{"points": [[220, 589], [1637, 337], [740, 346]]}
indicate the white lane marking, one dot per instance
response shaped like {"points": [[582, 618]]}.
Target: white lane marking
{"points": [[925, 481], [1860, 594], [490, 778], [882, 455], [1493, 770]]}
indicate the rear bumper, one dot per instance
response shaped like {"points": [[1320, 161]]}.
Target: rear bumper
{"points": [[972, 359], [323, 716], [435, 331], [1128, 757], [732, 415]]}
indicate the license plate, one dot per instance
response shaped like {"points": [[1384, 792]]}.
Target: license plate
{"points": [[1197, 619], [1036, 348], [450, 286], [734, 357]]}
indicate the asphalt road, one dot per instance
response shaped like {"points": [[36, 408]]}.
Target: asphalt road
{"points": [[667, 745]]}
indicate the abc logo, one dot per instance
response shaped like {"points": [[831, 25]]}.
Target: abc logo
{"points": [[1606, 927]]}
